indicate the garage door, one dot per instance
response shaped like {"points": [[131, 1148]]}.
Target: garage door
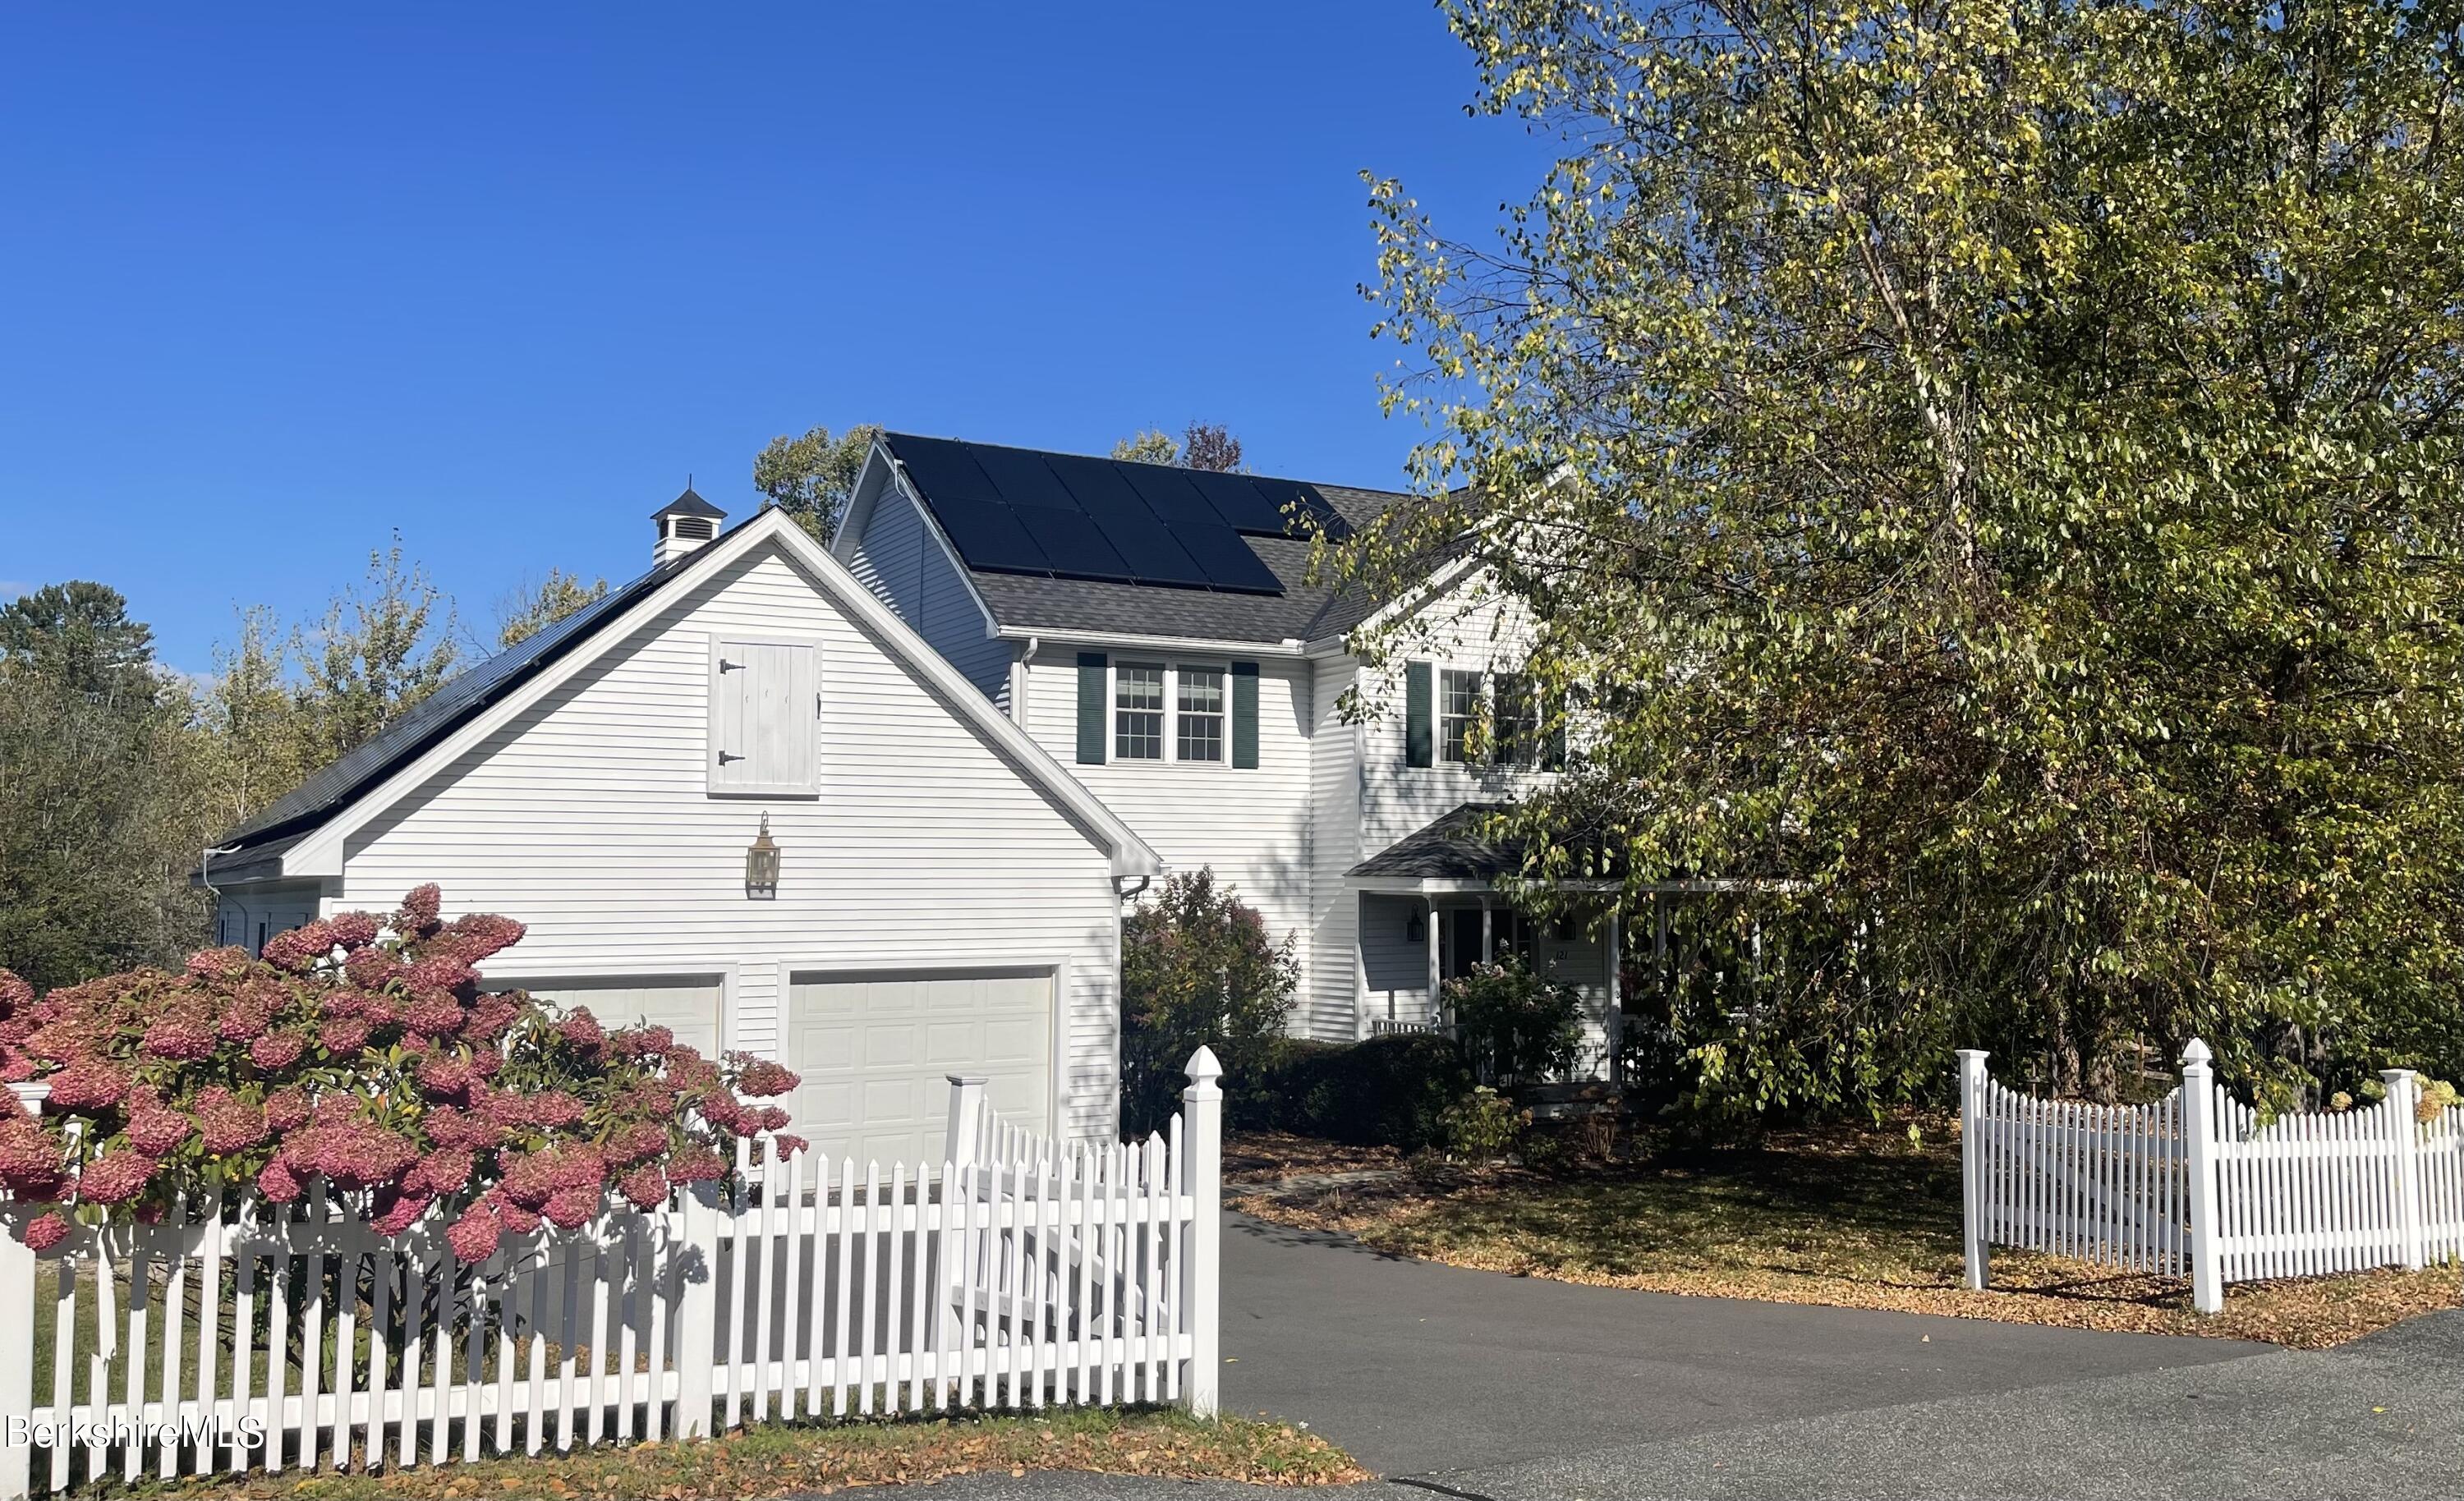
{"points": [[688, 1006], [876, 1051]]}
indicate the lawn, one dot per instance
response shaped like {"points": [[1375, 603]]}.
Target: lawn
{"points": [[1855, 1218], [782, 1460]]}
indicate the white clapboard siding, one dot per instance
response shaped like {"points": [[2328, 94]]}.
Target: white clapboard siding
{"points": [[1019, 1272], [2198, 1185], [587, 818], [900, 560], [1250, 825], [1331, 1005]]}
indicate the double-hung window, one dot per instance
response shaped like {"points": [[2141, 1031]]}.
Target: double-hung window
{"points": [[1458, 711], [1138, 712], [1197, 730], [1518, 722]]}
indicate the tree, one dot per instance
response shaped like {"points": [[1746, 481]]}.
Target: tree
{"points": [[1995, 474], [1148, 446], [1203, 445], [379, 649], [1210, 446], [78, 635], [535, 607], [1197, 968], [98, 817], [811, 477]]}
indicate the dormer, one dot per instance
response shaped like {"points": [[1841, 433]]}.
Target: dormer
{"points": [[685, 523]]}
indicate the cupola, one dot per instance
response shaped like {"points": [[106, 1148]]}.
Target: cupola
{"points": [[685, 523]]}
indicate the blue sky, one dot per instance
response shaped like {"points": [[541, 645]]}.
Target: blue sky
{"points": [[281, 281]]}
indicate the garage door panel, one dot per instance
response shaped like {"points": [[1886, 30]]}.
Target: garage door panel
{"points": [[687, 1006], [877, 1053]]}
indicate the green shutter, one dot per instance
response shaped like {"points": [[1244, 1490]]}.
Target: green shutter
{"points": [[1418, 749], [1552, 745], [1090, 707], [1245, 715]]}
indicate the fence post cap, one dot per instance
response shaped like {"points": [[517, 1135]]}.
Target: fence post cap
{"points": [[30, 1095], [2196, 1053], [1975, 1053], [2391, 1075], [964, 1080], [1202, 1065]]}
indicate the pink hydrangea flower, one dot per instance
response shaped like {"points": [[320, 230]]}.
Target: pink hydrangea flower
{"points": [[343, 1035], [287, 1109], [229, 1125], [473, 1236], [571, 1208], [296, 951], [417, 916], [178, 1039], [645, 1188], [47, 1232], [88, 1083], [276, 1050], [116, 1177], [583, 1030], [370, 968], [207, 963], [765, 1079], [156, 1133], [277, 1184], [436, 1015]]}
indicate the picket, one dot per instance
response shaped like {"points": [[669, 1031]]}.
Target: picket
{"points": [[1013, 1273], [2200, 1184]]}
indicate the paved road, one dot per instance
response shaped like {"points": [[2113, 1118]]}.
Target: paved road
{"points": [[1420, 1369]]}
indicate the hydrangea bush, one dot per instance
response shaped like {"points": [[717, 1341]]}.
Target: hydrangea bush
{"points": [[360, 1052]]}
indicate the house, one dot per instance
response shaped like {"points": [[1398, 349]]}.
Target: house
{"points": [[1155, 628], [946, 899]]}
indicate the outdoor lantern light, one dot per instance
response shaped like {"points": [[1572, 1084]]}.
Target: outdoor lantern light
{"points": [[762, 864], [1413, 929]]}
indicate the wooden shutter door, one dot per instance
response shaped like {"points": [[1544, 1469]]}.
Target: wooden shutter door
{"points": [[764, 717]]}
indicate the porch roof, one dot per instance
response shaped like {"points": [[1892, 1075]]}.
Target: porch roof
{"points": [[1456, 855]]}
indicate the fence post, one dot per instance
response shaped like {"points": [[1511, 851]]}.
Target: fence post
{"points": [[697, 1310], [2402, 1100], [2199, 1158], [1202, 1168], [962, 1142], [17, 1355], [1972, 1166]]}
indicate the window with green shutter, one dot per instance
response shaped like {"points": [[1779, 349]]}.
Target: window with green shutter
{"points": [[1419, 744], [1245, 715], [1092, 707]]}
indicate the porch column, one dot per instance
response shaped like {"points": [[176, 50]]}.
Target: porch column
{"points": [[1487, 932], [1436, 964], [1615, 1020]]}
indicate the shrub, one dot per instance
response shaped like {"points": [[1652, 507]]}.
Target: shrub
{"points": [[1197, 970], [360, 1052], [1390, 1091], [1516, 1027], [1483, 1124]]}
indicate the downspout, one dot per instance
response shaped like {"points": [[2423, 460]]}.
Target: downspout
{"points": [[1019, 689], [206, 879]]}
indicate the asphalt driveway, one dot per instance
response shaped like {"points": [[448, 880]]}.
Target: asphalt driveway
{"points": [[1419, 1369]]}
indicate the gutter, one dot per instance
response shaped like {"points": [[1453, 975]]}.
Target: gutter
{"points": [[1290, 648]]}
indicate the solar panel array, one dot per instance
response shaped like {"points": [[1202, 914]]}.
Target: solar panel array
{"points": [[1016, 511]]}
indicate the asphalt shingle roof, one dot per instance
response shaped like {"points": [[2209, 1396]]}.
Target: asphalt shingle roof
{"points": [[1453, 847]]}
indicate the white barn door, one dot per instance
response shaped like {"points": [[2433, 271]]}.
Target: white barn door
{"points": [[875, 1053]]}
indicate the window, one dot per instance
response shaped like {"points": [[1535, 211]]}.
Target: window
{"points": [[1199, 731], [764, 699], [1137, 713], [1518, 721], [1458, 710]]}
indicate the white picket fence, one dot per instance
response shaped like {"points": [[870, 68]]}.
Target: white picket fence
{"points": [[1017, 1272], [2194, 1186]]}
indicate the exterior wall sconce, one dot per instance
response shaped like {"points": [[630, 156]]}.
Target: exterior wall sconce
{"points": [[761, 865], [1415, 929]]}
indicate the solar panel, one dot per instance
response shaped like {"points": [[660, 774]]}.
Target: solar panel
{"points": [[1020, 477], [1074, 543], [944, 469], [1153, 556], [1098, 486], [1226, 559], [1288, 495], [1241, 504], [988, 534], [1170, 492]]}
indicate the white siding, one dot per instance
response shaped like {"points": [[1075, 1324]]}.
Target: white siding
{"points": [[1395, 970], [1252, 825], [1467, 629], [1330, 998], [899, 560], [586, 819]]}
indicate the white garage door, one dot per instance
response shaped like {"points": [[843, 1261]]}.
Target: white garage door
{"points": [[876, 1053], [688, 1006]]}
